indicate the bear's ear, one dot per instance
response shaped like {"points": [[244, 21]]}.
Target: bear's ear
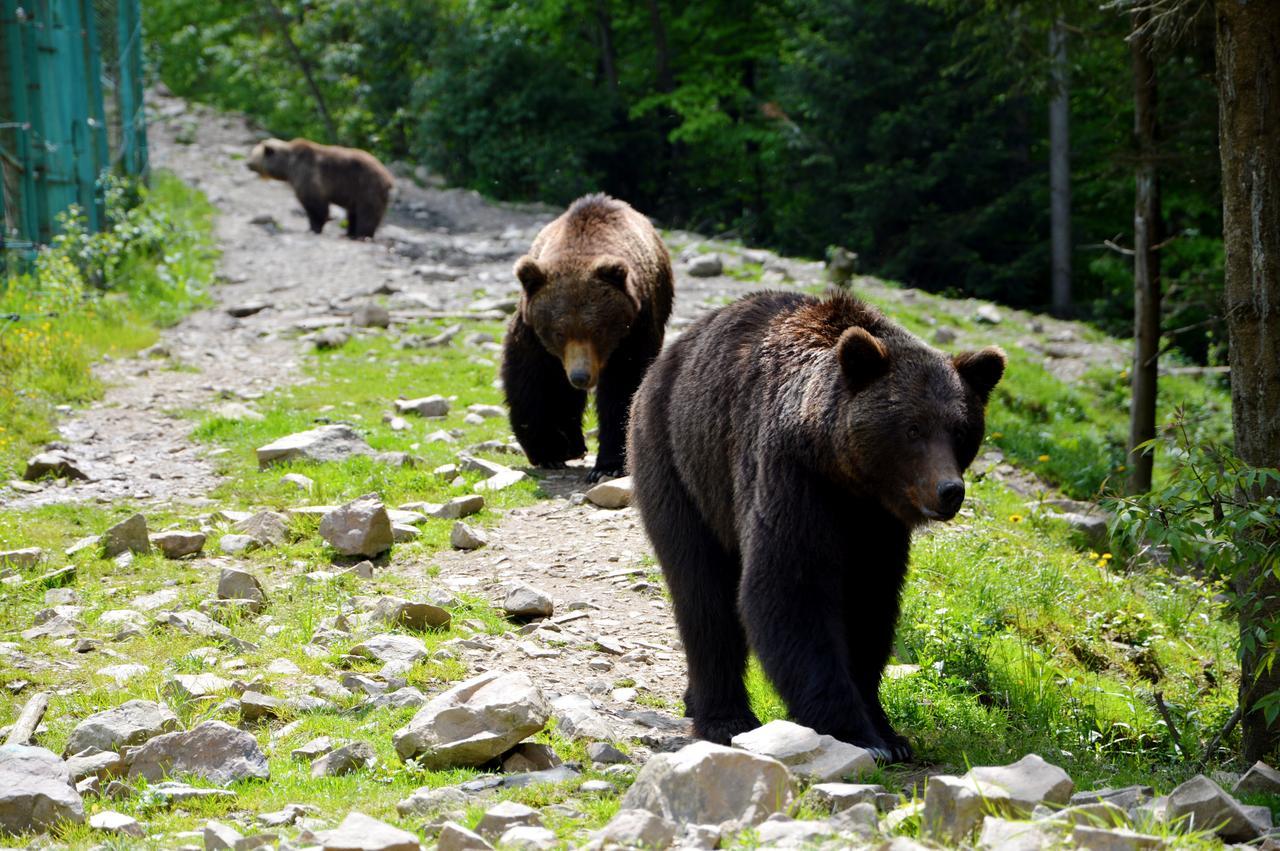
{"points": [[530, 275], [981, 370], [614, 272], [863, 358]]}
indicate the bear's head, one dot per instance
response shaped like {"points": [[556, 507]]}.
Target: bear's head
{"points": [[270, 158], [580, 308], [910, 419]]}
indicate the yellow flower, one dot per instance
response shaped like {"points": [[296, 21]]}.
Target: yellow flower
{"points": [[1106, 556], [1043, 458], [996, 435], [1093, 555], [1120, 469], [1015, 518]]}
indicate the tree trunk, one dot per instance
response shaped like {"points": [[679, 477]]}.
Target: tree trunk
{"points": [[608, 53], [1248, 58], [1146, 260], [1060, 169], [662, 53], [282, 23]]}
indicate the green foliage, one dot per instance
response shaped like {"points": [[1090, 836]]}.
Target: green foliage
{"points": [[92, 294]]}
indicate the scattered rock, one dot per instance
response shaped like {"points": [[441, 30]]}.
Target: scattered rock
{"points": [[359, 832], [256, 706], [1207, 807], [1259, 779], [841, 263], [459, 507], [525, 601], [221, 837], [528, 838], [1126, 798], [840, 796], [331, 338], [361, 527], [109, 821], [1023, 784], [237, 584], [121, 674], [345, 760], [126, 536], [705, 783], [36, 793], [987, 314], [474, 721], [577, 718], [326, 443], [196, 686], [952, 809], [455, 837], [178, 544], [1093, 527], [234, 545], [312, 749], [1114, 839], [529, 756], [466, 537], [605, 753], [500, 818], [56, 463], [636, 829], [809, 755], [944, 335], [27, 558], [391, 648], [704, 266], [1004, 835], [429, 407], [92, 762], [371, 315], [130, 723], [213, 750], [615, 493], [412, 615], [268, 528], [248, 308]]}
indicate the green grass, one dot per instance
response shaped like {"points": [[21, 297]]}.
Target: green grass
{"points": [[150, 268]]}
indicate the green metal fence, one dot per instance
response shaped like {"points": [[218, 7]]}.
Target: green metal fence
{"points": [[71, 110]]}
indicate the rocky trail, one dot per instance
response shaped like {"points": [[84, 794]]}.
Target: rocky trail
{"points": [[593, 644]]}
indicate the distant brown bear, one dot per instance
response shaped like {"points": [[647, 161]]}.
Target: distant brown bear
{"points": [[782, 451], [597, 293], [327, 174]]}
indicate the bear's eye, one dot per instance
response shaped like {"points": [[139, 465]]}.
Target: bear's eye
{"points": [[266, 152], [913, 432]]}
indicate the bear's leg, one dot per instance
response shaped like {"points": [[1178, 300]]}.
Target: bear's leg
{"points": [[869, 632], [362, 221], [546, 410], [703, 581], [317, 213], [353, 223], [618, 383]]}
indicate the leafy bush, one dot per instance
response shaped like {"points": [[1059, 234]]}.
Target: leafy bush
{"points": [[97, 293]]}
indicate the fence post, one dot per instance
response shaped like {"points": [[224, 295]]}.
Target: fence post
{"points": [[133, 136]]}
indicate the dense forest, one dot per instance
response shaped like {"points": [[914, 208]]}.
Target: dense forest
{"points": [[913, 133]]}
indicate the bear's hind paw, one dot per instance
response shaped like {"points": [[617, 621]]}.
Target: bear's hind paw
{"points": [[721, 730], [599, 473]]}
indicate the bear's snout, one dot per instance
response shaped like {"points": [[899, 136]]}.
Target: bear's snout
{"points": [[581, 365], [950, 496]]}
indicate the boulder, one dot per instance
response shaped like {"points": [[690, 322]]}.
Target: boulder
{"points": [[1206, 806], [952, 809], [525, 601], [359, 832], [36, 792], [706, 783], [176, 544], [1259, 779], [362, 527], [1023, 784], [326, 443], [474, 721], [615, 493], [811, 756], [213, 750], [130, 723], [126, 536]]}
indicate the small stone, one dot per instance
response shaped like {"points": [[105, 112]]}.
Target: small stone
{"points": [[944, 335], [488, 411], [809, 755], [345, 760], [195, 686], [299, 481], [109, 821], [417, 616], [455, 837], [840, 796], [1125, 798], [178, 544], [459, 507], [529, 756], [636, 829], [213, 750], [952, 809], [786, 833], [236, 584], [331, 338], [528, 838], [1004, 835], [126, 536], [525, 601], [371, 315], [1206, 806], [1023, 784], [248, 308], [1092, 527], [615, 493], [391, 647], [1114, 839], [501, 817], [605, 753], [221, 837], [466, 537], [268, 528], [27, 558], [130, 724], [312, 749], [361, 527], [359, 832], [705, 783], [92, 762], [122, 674], [430, 407], [1259, 779], [326, 443], [234, 545], [987, 314], [255, 706], [704, 266]]}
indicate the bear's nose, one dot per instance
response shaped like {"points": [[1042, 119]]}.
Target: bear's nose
{"points": [[950, 495], [580, 378]]}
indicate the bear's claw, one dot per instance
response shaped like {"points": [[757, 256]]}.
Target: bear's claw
{"points": [[598, 473]]}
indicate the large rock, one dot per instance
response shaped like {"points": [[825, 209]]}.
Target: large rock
{"points": [[1260, 779], [362, 527], [268, 528], [213, 750], [705, 783], [126, 536], [130, 723], [359, 832], [391, 648], [615, 493], [237, 584], [413, 615], [1207, 807], [36, 792], [177, 544], [953, 806], [56, 463], [525, 601], [326, 443], [952, 809], [474, 721], [636, 829], [809, 755]]}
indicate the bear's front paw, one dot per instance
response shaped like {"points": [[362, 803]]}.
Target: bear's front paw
{"points": [[549, 465], [721, 730], [608, 472]]}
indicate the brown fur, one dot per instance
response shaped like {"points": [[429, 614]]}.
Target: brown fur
{"points": [[328, 174], [597, 294]]}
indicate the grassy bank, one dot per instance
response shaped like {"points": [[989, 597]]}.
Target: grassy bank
{"points": [[91, 295]]}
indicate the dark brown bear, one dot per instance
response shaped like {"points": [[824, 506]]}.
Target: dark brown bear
{"points": [[327, 174], [597, 294], [782, 449]]}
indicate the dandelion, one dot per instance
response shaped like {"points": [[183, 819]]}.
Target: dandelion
{"points": [[1093, 556], [1105, 557], [1043, 458], [1015, 518]]}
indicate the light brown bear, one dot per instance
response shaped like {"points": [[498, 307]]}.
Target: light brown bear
{"points": [[328, 174]]}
